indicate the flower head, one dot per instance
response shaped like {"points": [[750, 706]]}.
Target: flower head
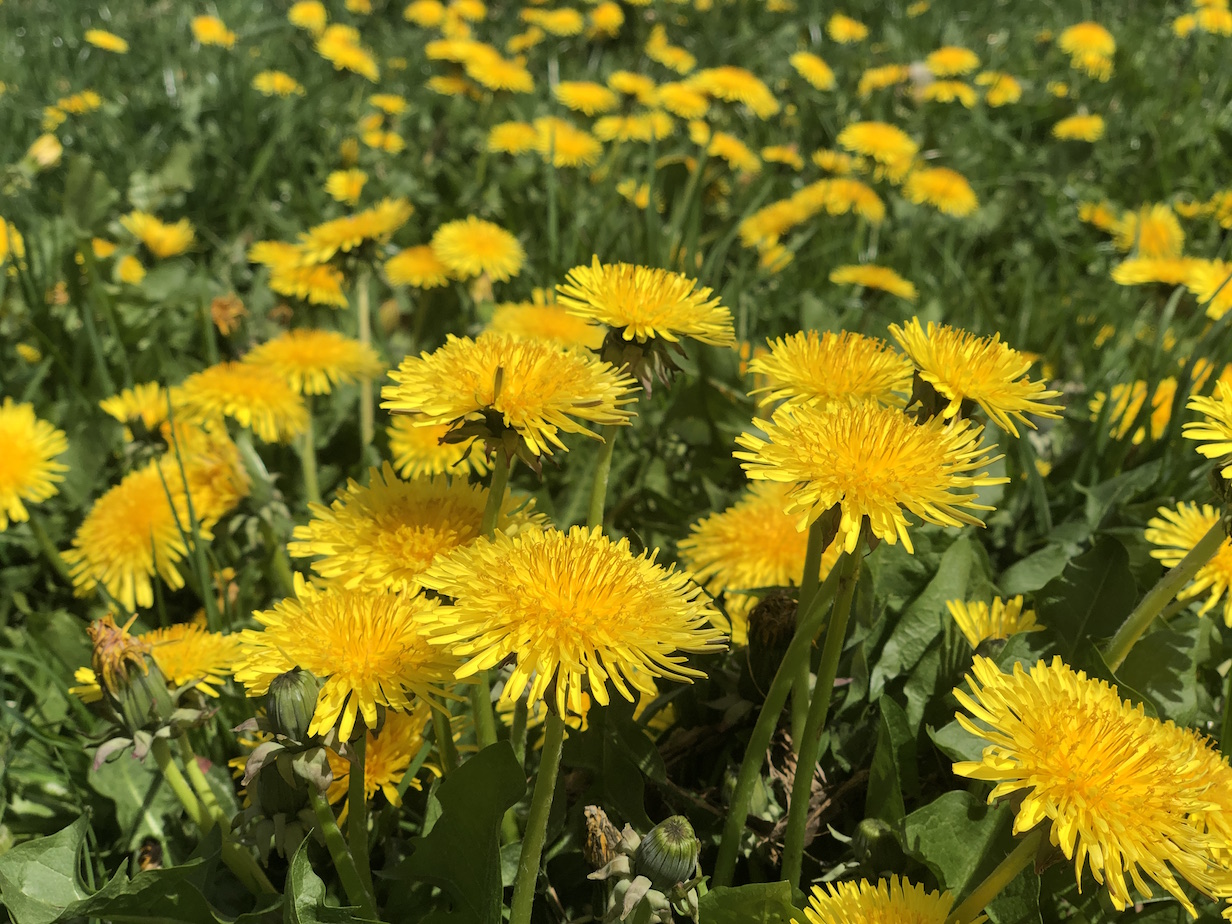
{"points": [[210, 30], [944, 189], [1215, 429], [887, 144], [346, 185], [1122, 791], [1210, 282], [873, 462], [189, 654], [892, 900], [107, 41], [585, 96], [277, 83], [309, 15], [472, 247], [345, 234], [387, 757], [498, 388], [736, 85], [546, 321], [313, 361], [829, 369], [845, 30], [952, 61], [369, 649], [146, 402], [813, 69], [1174, 533], [964, 367], [1080, 127], [254, 396], [385, 535], [161, 239], [317, 285], [872, 276], [980, 621], [570, 607], [419, 451], [28, 470], [417, 266], [1152, 231]]}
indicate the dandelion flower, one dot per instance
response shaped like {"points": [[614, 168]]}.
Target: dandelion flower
{"points": [[313, 361], [146, 402], [753, 544], [385, 535], [872, 276], [585, 96], [887, 144], [1000, 89], [737, 85], [1081, 127], [633, 84], [339, 45], [783, 154], [309, 15], [1120, 789], [1137, 271], [567, 145], [417, 266], [964, 367], [210, 30], [1153, 232], [497, 73], [879, 78], [872, 461], [473, 247], [570, 606], [606, 19], [255, 397], [949, 91], [345, 234], [317, 285], [420, 451], [683, 100], [889, 900], [107, 41], [189, 654], [162, 240], [277, 83], [346, 185], [28, 470], [128, 270], [1174, 533], [644, 303], [1210, 281], [1090, 47], [942, 188], [813, 69], [369, 649], [845, 30], [952, 61], [979, 621], [513, 137], [829, 368], [1215, 429], [548, 322], [387, 757]]}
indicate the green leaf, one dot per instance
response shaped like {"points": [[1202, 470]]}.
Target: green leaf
{"points": [[87, 195], [1035, 571], [1091, 598], [757, 903], [892, 775], [1019, 901], [958, 837], [957, 743], [142, 800], [305, 902], [461, 855], [617, 752], [1104, 497], [1163, 667], [39, 879]]}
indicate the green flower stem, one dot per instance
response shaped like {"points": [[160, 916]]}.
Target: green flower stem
{"points": [[344, 863], [537, 821], [48, 548], [308, 458], [809, 583], [1161, 594], [808, 626], [357, 810], [603, 469], [998, 879], [819, 710], [363, 311], [179, 785], [1225, 730], [444, 741], [200, 785], [481, 690]]}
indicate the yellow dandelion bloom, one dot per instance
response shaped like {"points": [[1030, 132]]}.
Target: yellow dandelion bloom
{"points": [[838, 196], [735, 152], [342, 235], [339, 45], [11, 243], [387, 757], [210, 30], [1215, 428], [683, 100], [637, 126], [531, 391], [417, 266], [964, 367], [386, 535], [317, 285], [570, 606], [952, 61], [786, 154], [827, 369], [1080, 127], [255, 397], [388, 103], [872, 276], [213, 471], [845, 30], [566, 144], [45, 151], [813, 69], [944, 189], [346, 185], [644, 303], [389, 142], [146, 402], [1210, 281], [606, 18], [107, 41], [1000, 89], [1090, 47], [753, 544], [128, 269], [881, 77], [513, 137], [277, 83], [28, 470], [873, 462], [189, 654], [1173, 271], [887, 144], [473, 247], [979, 621], [497, 73], [585, 96], [1153, 231], [1174, 533], [1127, 401], [524, 41], [892, 900], [313, 361], [549, 322], [949, 91], [420, 451], [368, 648], [309, 15], [162, 240], [633, 84], [1122, 791], [737, 85]]}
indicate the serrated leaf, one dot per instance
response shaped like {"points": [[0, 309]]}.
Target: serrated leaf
{"points": [[756, 903], [305, 902], [1091, 598], [958, 837], [142, 799], [957, 743], [892, 774]]}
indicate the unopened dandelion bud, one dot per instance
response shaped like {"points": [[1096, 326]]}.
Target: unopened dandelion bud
{"points": [[142, 699], [668, 854], [290, 703], [279, 790]]}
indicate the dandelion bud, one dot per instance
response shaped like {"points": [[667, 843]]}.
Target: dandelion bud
{"points": [[771, 625], [876, 846], [279, 791], [668, 854], [143, 699], [128, 677], [290, 703]]}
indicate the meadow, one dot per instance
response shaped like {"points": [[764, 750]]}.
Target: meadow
{"points": [[644, 460]]}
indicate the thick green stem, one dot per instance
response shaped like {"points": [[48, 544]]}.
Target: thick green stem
{"points": [[344, 863], [175, 779], [815, 722], [363, 310], [767, 720], [809, 583], [998, 879], [357, 810], [48, 548], [537, 822], [308, 459], [200, 785], [481, 690], [1161, 595], [598, 487], [444, 741]]}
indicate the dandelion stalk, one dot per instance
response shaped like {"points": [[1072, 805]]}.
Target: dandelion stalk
{"points": [[537, 821], [357, 809], [603, 470], [767, 720], [205, 794], [308, 457], [998, 879], [809, 583], [1225, 729], [444, 741], [818, 712], [363, 310], [481, 690], [344, 863], [175, 779], [1161, 594]]}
